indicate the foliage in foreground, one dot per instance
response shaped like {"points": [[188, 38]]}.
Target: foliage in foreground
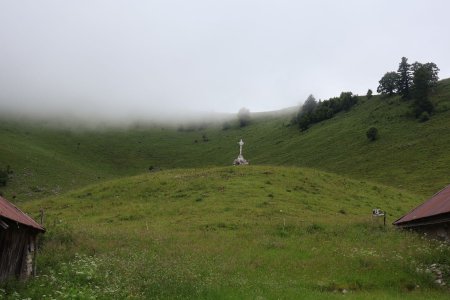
{"points": [[372, 133], [225, 233], [5, 175]]}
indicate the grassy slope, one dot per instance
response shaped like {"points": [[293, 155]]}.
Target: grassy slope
{"points": [[225, 233], [408, 155], [233, 232]]}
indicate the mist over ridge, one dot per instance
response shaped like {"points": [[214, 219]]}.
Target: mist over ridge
{"points": [[105, 61]]}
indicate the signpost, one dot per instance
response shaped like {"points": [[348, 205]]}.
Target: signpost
{"points": [[376, 212]]}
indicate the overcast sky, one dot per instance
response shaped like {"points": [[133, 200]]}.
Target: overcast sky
{"points": [[145, 58]]}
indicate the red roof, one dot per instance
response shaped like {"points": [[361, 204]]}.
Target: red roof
{"points": [[437, 205], [10, 211]]}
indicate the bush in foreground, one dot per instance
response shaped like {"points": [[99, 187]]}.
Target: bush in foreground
{"points": [[4, 176], [372, 134]]}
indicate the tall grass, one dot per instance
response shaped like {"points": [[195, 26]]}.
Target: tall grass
{"points": [[148, 236]]}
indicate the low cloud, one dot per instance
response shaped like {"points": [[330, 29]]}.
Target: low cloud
{"points": [[115, 60]]}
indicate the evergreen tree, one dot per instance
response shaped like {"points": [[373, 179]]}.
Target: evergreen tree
{"points": [[310, 105], [244, 116], [369, 94], [304, 121], [415, 66], [347, 100], [405, 78]]}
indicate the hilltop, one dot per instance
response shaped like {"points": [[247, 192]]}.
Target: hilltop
{"points": [[409, 155]]}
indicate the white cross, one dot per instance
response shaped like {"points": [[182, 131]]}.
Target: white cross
{"points": [[241, 143]]}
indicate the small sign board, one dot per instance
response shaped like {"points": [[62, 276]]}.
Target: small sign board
{"points": [[376, 212]]}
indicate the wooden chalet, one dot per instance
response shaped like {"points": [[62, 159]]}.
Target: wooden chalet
{"points": [[431, 217], [18, 234]]}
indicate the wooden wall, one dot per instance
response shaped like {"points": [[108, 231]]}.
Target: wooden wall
{"points": [[17, 250]]}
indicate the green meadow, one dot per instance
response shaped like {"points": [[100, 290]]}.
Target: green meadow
{"points": [[148, 211], [231, 233], [49, 159]]}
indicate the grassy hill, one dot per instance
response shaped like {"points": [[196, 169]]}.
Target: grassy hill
{"points": [[231, 233], [48, 160]]}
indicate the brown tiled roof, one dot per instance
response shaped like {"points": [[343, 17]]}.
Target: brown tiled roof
{"points": [[11, 212], [437, 206]]}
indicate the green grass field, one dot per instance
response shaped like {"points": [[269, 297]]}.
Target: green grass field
{"points": [[231, 233], [295, 224], [409, 155]]}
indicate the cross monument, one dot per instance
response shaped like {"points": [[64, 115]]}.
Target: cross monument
{"points": [[240, 160]]}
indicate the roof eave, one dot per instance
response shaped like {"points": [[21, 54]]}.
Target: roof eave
{"points": [[437, 219], [40, 228]]}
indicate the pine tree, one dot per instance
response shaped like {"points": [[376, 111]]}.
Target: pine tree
{"points": [[405, 78], [310, 105], [244, 116]]}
